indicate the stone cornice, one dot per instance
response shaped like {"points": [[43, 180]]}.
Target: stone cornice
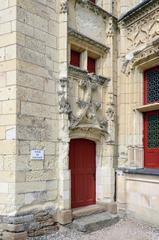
{"points": [[83, 74], [82, 38], [138, 12], [96, 9]]}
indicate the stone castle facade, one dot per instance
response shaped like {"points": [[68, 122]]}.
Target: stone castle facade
{"points": [[74, 70]]}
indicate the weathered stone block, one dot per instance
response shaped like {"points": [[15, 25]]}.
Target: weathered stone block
{"points": [[64, 217], [14, 236]]}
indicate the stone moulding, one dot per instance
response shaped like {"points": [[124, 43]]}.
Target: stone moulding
{"points": [[78, 37], [95, 8], [140, 11], [149, 52], [139, 57], [84, 75]]}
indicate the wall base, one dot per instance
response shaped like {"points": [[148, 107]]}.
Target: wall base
{"points": [[31, 224]]}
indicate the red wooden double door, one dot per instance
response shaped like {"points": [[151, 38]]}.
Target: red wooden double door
{"points": [[82, 163]]}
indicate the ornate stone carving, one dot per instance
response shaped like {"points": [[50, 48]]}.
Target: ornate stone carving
{"points": [[64, 6], [110, 113], [110, 116], [149, 51], [143, 30], [87, 111], [111, 27], [64, 106], [82, 103], [83, 77]]}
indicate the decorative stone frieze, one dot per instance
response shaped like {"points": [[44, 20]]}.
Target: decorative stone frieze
{"points": [[143, 31]]}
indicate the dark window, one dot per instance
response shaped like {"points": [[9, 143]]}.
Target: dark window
{"points": [[91, 67], [93, 1], [151, 85], [153, 130], [75, 58]]}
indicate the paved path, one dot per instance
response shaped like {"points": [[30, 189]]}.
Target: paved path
{"points": [[124, 230]]}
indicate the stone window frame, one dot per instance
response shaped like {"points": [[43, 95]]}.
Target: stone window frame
{"points": [[143, 61], [87, 47], [86, 52]]}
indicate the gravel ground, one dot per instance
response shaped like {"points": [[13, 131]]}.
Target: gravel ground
{"points": [[126, 229]]}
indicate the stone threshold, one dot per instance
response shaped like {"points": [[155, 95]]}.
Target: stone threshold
{"points": [[87, 210], [94, 209]]}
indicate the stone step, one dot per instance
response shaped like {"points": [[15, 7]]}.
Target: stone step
{"points": [[88, 210], [94, 222]]}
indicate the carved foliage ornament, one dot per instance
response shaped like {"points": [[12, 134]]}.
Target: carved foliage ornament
{"points": [[143, 31], [88, 107], [141, 56]]}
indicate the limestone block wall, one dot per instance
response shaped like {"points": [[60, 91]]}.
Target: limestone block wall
{"points": [[138, 195], [37, 116], [32, 48], [8, 106]]}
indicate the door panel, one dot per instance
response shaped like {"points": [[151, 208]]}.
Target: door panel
{"points": [[82, 162], [151, 139]]}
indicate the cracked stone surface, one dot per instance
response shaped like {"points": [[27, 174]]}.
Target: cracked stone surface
{"points": [[125, 229]]}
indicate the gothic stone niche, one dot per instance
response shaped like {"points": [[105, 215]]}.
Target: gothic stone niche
{"points": [[86, 100]]}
